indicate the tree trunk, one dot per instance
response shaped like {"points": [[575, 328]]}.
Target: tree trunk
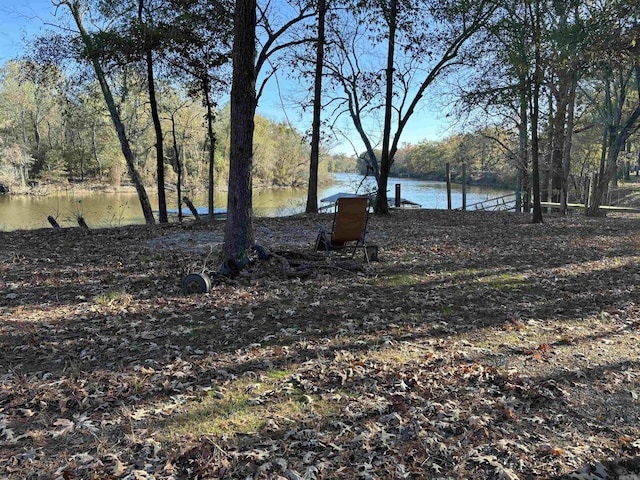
{"points": [[25, 145], [568, 143], [382, 203], [178, 164], [558, 124], [157, 126], [74, 7], [535, 110], [36, 133], [523, 147], [206, 87], [312, 193], [616, 144], [239, 233], [82, 152], [39, 157]]}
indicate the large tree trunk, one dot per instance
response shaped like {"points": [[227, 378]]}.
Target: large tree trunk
{"points": [[74, 7], [239, 234], [312, 193], [608, 166], [382, 202]]}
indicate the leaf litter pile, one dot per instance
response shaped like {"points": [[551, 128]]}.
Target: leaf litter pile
{"points": [[479, 346]]}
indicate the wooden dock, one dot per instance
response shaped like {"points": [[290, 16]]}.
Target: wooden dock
{"points": [[332, 199]]}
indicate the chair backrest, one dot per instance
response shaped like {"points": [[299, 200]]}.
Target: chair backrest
{"points": [[350, 221]]}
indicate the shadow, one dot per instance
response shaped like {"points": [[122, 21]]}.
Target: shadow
{"points": [[388, 366]]}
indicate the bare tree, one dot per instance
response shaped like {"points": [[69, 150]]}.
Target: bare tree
{"points": [[417, 53]]}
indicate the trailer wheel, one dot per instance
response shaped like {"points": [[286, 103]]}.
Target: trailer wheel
{"points": [[196, 283]]}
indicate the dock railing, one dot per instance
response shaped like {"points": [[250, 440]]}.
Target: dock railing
{"points": [[505, 202]]}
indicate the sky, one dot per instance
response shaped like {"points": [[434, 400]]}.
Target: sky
{"points": [[20, 19]]}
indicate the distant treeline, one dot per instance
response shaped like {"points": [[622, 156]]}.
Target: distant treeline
{"points": [[53, 130], [487, 162]]}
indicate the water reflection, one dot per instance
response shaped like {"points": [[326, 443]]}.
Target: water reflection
{"points": [[101, 209]]}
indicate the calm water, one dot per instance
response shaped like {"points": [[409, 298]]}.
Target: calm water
{"points": [[113, 209]]}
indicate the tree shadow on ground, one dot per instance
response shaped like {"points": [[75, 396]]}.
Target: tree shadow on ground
{"points": [[448, 356]]}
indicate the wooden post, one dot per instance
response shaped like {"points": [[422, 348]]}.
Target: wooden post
{"points": [[398, 197], [448, 186], [464, 186]]}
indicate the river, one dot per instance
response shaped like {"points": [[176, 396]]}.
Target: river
{"points": [[100, 209]]}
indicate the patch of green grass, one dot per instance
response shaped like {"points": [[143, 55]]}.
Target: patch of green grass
{"points": [[232, 415], [74, 370], [150, 258], [277, 374], [117, 297], [241, 409]]}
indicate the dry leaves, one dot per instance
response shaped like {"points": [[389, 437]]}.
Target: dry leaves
{"points": [[480, 346]]}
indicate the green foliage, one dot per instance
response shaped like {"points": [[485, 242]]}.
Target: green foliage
{"points": [[482, 151], [339, 163], [79, 141]]}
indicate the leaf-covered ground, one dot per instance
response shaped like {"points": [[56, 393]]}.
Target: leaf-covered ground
{"points": [[480, 346]]}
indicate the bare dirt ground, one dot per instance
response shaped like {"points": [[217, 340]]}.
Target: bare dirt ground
{"points": [[480, 346]]}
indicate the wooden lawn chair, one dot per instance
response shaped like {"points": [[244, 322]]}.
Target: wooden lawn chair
{"points": [[349, 228]]}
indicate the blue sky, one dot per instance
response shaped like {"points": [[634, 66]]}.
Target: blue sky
{"points": [[19, 18], [26, 18]]}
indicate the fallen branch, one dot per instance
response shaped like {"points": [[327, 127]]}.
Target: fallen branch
{"points": [[193, 209]]}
